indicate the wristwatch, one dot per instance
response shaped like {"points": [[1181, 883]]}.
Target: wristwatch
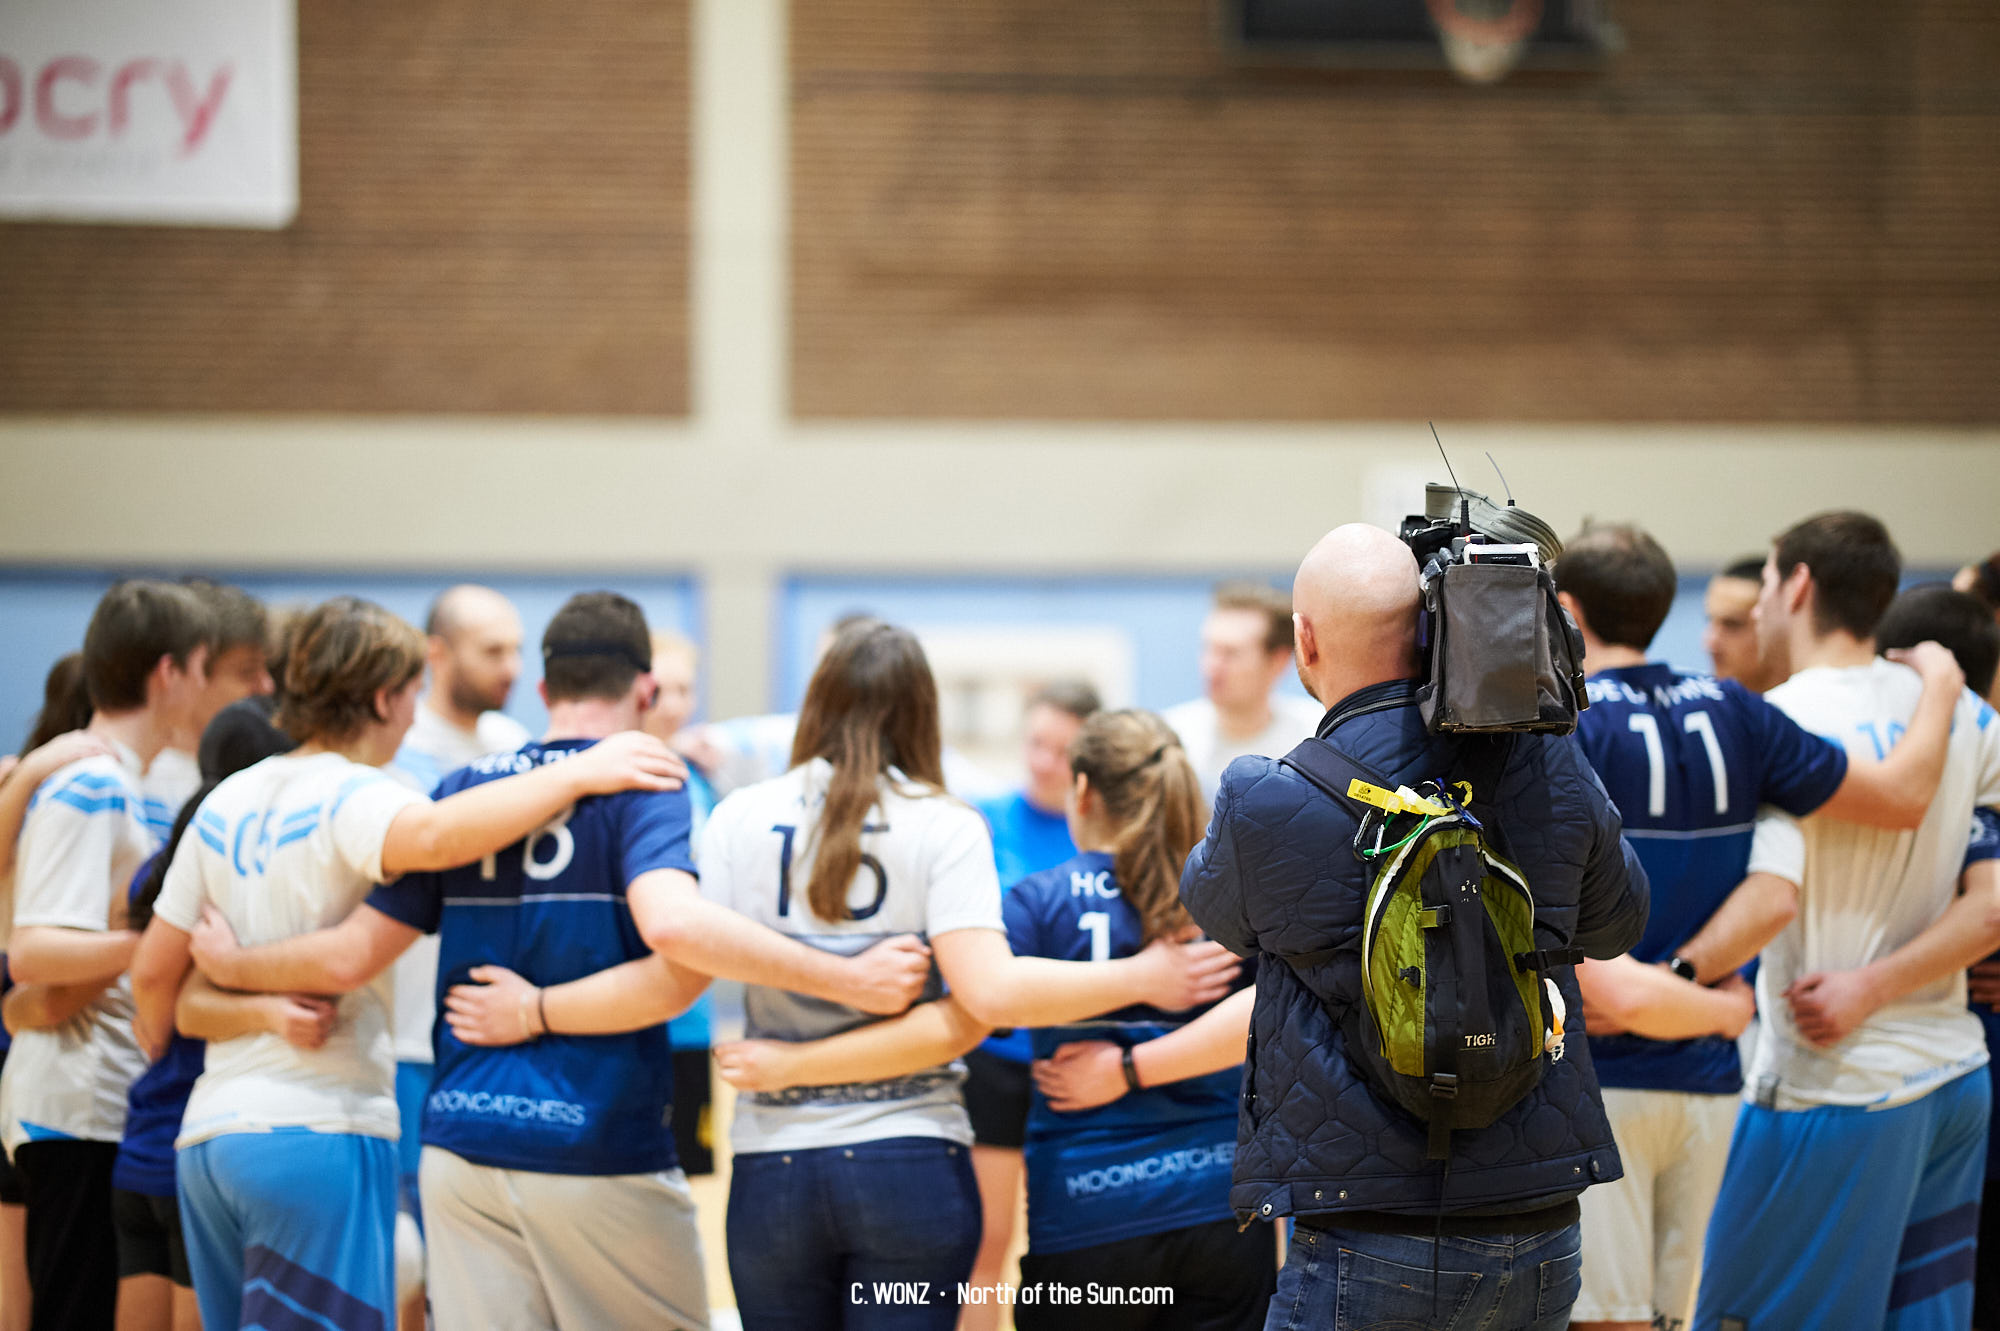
{"points": [[1682, 967]]}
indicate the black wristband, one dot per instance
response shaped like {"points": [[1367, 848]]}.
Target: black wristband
{"points": [[541, 1009], [1682, 967], [1131, 1070]]}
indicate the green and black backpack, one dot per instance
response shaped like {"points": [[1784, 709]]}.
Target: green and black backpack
{"points": [[1456, 1022]]}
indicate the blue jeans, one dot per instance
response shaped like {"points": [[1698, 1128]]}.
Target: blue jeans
{"points": [[867, 1237], [1344, 1280]]}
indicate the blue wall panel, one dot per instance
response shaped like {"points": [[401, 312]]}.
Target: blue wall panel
{"points": [[1160, 615]]}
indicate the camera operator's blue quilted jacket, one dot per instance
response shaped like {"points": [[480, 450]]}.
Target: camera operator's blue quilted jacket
{"points": [[1276, 877]]}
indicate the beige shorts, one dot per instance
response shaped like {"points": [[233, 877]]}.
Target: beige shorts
{"points": [[510, 1250], [1642, 1235]]}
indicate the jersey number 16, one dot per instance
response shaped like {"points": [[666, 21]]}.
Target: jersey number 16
{"points": [[788, 834]]}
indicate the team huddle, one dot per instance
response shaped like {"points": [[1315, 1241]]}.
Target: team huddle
{"points": [[340, 1003]]}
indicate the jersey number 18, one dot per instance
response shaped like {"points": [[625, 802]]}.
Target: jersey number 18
{"points": [[555, 833]]}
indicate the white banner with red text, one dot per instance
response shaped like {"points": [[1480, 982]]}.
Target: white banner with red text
{"points": [[163, 111]]}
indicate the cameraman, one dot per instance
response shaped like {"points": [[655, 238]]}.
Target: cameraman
{"points": [[1276, 878]]}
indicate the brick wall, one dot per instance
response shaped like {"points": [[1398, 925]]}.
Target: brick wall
{"points": [[493, 218], [1780, 211]]}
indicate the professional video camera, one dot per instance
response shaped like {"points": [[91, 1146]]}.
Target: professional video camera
{"points": [[1499, 653]]}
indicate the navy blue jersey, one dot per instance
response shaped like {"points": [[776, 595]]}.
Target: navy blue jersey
{"points": [[154, 1105], [1985, 845], [1985, 840], [551, 908], [1149, 1162], [1688, 759]]}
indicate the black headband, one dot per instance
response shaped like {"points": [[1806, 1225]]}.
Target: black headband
{"points": [[619, 651]]}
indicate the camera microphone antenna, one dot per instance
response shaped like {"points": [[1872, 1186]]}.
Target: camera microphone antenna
{"points": [[1503, 479], [1464, 504]]}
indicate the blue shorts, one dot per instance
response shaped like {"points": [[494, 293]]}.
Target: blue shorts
{"points": [[413, 1087], [1849, 1217], [291, 1230]]}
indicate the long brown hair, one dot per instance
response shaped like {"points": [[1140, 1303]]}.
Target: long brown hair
{"points": [[872, 705], [65, 702], [1153, 809]]}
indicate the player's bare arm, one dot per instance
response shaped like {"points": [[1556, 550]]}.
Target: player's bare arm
{"points": [[1085, 1074]]}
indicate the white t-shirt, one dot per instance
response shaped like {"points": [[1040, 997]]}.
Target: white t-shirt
{"points": [[84, 837], [432, 750], [1200, 729], [1863, 893], [288, 846], [170, 782], [931, 872]]}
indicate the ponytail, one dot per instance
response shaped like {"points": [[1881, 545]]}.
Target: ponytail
{"points": [[1153, 809]]}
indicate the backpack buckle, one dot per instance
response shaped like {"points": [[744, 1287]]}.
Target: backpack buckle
{"points": [[1444, 1086], [1548, 958]]}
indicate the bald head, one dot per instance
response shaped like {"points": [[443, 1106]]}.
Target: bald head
{"points": [[1356, 601], [475, 652], [467, 603]]}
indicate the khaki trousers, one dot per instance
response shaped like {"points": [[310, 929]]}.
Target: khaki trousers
{"points": [[511, 1250]]}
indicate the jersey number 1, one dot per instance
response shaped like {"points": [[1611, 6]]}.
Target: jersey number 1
{"points": [[1097, 924]]}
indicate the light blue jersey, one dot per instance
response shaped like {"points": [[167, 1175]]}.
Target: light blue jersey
{"points": [[1026, 840]]}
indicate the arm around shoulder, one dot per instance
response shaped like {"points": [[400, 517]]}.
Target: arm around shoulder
{"points": [[1896, 793], [443, 834]]}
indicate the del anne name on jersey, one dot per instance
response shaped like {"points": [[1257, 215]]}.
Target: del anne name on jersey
{"points": [[1682, 688]]}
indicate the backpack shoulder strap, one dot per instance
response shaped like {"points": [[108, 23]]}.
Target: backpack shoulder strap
{"points": [[1331, 770]]}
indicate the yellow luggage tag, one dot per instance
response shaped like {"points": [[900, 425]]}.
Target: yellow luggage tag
{"points": [[1400, 800]]}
